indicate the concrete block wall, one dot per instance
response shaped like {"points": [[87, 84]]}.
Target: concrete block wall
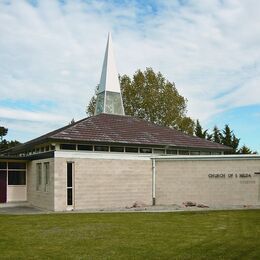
{"points": [[40, 198], [104, 183], [178, 181]]}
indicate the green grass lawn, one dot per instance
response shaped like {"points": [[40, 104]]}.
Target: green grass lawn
{"points": [[180, 235]]}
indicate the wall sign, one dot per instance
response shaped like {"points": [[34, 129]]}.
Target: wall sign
{"points": [[229, 175]]}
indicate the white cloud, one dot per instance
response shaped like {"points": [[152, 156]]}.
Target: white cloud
{"points": [[16, 114], [55, 52]]}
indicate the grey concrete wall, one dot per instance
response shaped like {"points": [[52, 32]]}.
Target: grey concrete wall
{"points": [[188, 180], [40, 198], [104, 183]]}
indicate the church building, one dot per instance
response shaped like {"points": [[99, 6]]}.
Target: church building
{"points": [[111, 160]]}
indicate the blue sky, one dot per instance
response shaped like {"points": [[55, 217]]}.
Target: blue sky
{"points": [[51, 55]]}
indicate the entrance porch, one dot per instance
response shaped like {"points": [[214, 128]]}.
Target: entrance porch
{"points": [[13, 187]]}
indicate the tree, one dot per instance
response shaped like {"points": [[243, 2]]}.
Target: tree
{"points": [[3, 132], [4, 144], [8, 144], [216, 136], [148, 95], [72, 121], [200, 132], [228, 138], [244, 150]]}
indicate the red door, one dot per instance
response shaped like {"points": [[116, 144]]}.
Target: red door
{"points": [[2, 186]]}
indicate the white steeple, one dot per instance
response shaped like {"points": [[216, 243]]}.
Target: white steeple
{"points": [[109, 99]]}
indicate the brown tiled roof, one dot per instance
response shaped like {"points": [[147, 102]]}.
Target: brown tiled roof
{"points": [[107, 128]]}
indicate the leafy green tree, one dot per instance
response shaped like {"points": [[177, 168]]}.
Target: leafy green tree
{"points": [[3, 132], [4, 144], [148, 95]]}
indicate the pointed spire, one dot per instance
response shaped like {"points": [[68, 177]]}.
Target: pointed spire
{"points": [[109, 99]]}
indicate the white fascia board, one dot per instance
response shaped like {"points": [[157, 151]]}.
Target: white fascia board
{"points": [[101, 155], [207, 157]]}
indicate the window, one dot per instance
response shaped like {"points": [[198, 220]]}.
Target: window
{"points": [[194, 153], [67, 146], [42, 149], [169, 151], [16, 165], [145, 150], [131, 150], [3, 165], [46, 176], [159, 151], [116, 149], [16, 178], [69, 183], [215, 153], [38, 176], [47, 148], [85, 147], [205, 153], [101, 148], [183, 152]]}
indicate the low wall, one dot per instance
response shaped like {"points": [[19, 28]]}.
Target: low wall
{"points": [[216, 181]]}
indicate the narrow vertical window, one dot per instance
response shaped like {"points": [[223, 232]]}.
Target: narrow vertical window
{"points": [[46, 176], [38, 176], [69, 183]]}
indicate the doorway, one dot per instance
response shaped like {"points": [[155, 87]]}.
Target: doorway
{"points": [[3, 185]]}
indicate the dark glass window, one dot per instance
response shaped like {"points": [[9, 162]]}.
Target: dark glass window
{"points": [[194, 153], [3, 165], [16, 178], [216, 153], [47, 148], [68, 146], [101, 148], [145, 150], [131, 149], [69, 183], [16, 165], [85, 147], [69, 196], [171, 151], [205, 153], [69, 174], [116, 149], [159, 151], [42, 149], [52, 147], [183, 152]]}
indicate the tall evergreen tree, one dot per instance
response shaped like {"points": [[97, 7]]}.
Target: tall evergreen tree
{"points": [[200, 132], [216, 135], [245, 150], [228, 138]]}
